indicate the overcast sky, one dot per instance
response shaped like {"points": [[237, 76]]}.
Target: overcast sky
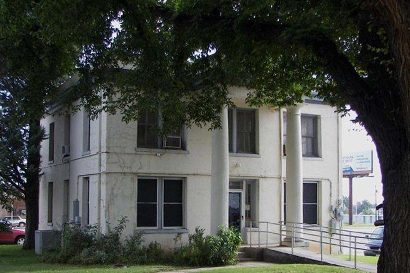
{"points": [[356, 139]]}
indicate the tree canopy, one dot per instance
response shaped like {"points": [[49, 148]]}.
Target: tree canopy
{"points": [[182, 56]]}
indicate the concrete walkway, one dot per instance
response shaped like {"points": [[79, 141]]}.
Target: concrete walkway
{"points": [[331, 260]]}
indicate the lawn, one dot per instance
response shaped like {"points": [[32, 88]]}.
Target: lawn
{"points": [[14, 260], [361, 259], [287, 268]]}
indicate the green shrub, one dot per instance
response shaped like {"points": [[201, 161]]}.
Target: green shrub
{"points": [[210, 250]]}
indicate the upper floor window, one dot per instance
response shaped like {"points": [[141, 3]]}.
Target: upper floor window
{"points": [[160, 202], [66, 146], [148, 134], [242, 130], [310, 135], [86, 131], [51, 142]]}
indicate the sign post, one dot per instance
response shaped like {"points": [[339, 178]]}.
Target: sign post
{"points": [[359, 164]]}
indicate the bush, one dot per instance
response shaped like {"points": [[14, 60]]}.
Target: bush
{"points": [[210, 250], [87, 246]]}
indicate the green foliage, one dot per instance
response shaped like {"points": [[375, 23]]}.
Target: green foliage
{"points": [[87, 246], [210, 250]]}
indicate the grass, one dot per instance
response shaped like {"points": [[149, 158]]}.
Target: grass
{"points": [[361, 259], [287, 268], [15, 260]]}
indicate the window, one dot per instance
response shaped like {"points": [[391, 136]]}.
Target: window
{"points": [[310, 136], [310, 139], [86, 201], [160, 203], [86, 131], [50, 203], [242, 130], [148, 137], [310, 203], [66, 200], [66, 147], [51, 142]]}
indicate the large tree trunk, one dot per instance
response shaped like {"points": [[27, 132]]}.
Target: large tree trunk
{"points": [[32, 184], [395, 256]]}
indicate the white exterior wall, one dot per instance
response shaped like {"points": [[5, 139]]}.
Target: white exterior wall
{"points": [[114, 171]]}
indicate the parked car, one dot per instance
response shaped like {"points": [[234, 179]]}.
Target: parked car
{"points": [[16, 221], [375, 242], [10, 235]]}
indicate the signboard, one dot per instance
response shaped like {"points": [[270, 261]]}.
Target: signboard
{"points": [[359, 163]]}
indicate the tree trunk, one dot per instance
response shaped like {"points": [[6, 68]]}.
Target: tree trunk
{"points": [[32, 184], [395, 255]]}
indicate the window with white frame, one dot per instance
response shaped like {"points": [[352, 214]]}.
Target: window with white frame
{"points": [[310, 135], [160, 203], [242, 130], [149, 123], [310, 203]]}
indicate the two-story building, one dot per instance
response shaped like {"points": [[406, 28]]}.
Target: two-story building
{"points": [[263, 165]]}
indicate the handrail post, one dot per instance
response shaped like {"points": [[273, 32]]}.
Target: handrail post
{"points": [[350, 245], [259, 235], [355, 253], [250, 233], [280, 233], [267, 234], [293, 237], [321, 244]]}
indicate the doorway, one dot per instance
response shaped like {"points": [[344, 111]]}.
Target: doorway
{"points": [[235, 210]]}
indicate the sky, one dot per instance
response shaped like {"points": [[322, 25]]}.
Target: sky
{"points": [[356, 139]]}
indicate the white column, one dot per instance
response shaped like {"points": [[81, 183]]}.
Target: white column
{"points": [[294, 172], [220, 174]]}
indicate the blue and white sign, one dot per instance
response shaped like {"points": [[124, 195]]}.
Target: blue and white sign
{"points": [[359, 163]]}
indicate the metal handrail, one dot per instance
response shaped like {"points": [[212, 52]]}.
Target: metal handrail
{"points": [[341, 237]]}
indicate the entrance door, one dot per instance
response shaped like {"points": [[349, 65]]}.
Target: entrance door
{"points": [[235, 210]]}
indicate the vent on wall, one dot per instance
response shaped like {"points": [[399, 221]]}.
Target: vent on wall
{"points": [[65, 150]]}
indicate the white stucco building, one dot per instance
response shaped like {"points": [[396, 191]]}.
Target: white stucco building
{"points": [[104, 169]]}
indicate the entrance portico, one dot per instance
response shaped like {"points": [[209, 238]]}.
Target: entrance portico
{"points": [[294, 173]]}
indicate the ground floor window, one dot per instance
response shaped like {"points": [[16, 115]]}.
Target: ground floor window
{"points": [[310, 203], [160, 202], [50, 192]]}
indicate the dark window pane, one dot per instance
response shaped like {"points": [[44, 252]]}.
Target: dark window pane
{"points": [[147, 134], [309, 136], [310, 214], [246, 131], [230, 128], [146, 215], [51, 142], [147, 190], [309, 192], [173, 191], [172, 215]]}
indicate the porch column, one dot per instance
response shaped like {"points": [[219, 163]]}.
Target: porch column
{"points": [[294, 173], [220, 174]]}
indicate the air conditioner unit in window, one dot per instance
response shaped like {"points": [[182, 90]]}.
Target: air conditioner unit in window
{"points": [[65, 150], [172, 142]]}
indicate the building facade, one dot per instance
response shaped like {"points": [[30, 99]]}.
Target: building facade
{"points": [[264, 165]]}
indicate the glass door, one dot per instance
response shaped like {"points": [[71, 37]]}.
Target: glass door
{"points": [[235, 210]]}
